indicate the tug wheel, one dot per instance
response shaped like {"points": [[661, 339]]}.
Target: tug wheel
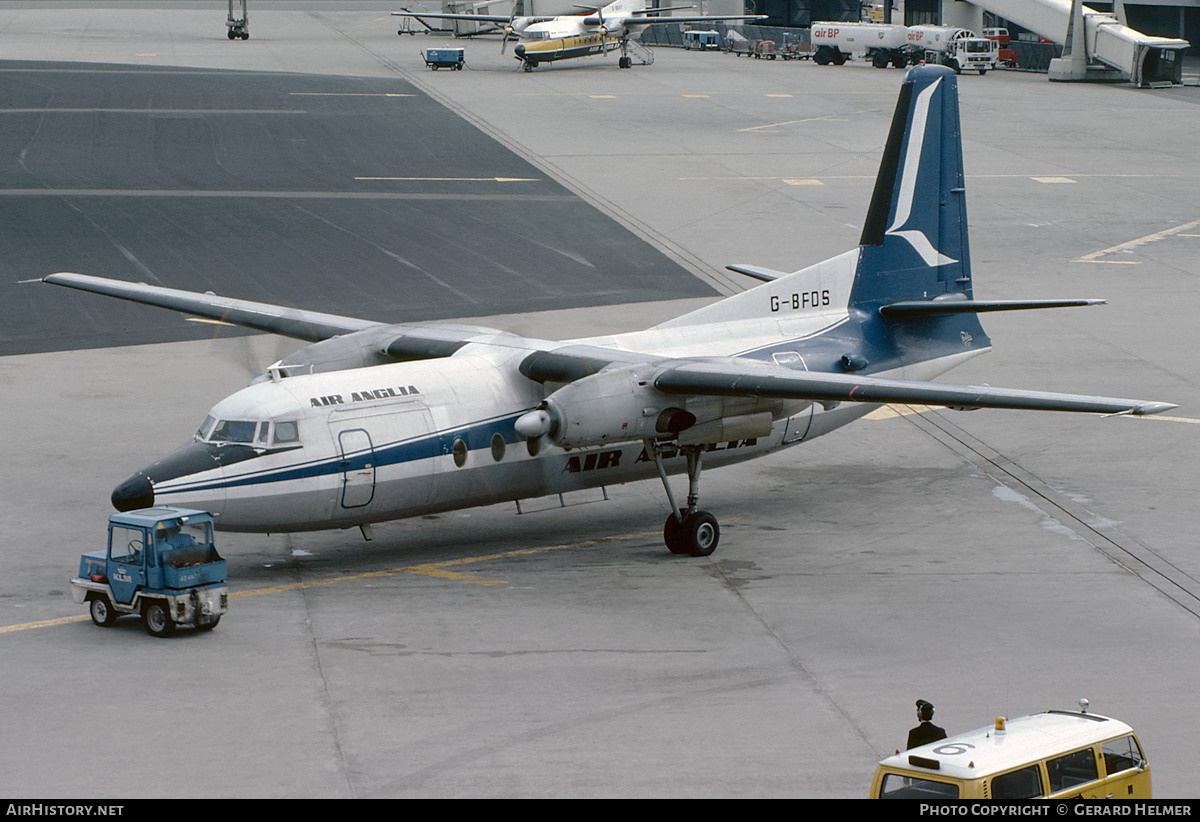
{"points": [[102, 611]]}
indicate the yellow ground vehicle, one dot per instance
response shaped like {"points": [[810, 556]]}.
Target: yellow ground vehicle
{"points": [[1056, 754]]}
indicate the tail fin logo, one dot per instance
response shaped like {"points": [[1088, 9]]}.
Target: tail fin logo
{"points": [[916, 237]]}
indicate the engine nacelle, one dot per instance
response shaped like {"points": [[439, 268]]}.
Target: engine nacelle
{"points": [[615, 405]]}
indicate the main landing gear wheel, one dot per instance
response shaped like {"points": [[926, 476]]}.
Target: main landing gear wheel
{"points": [[688, 531], [696, 535]]}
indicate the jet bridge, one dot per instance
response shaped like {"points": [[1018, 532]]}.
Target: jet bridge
{"points": [[1097, 45]]}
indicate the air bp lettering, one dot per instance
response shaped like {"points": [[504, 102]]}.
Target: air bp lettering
{"points": [[800, 300]]}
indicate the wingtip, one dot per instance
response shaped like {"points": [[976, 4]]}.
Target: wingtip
{"points": [[1148, 408]]}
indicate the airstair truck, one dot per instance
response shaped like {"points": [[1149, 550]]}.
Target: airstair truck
{"points": [[883, 44], [160, 564], [955, 48]]}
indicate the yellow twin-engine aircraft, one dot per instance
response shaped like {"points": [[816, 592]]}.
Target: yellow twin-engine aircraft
{"points": [[377, 422], [595, 30]]}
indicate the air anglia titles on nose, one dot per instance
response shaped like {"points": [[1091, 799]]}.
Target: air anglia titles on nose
{"points": [[364, 396]]}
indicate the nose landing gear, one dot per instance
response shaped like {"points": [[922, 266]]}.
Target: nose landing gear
{"points": [[239, 27]]}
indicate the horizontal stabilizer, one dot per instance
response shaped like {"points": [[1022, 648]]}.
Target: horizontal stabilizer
{"points": [[757, 272], [288, 322], [937, 308], [728, 380]]}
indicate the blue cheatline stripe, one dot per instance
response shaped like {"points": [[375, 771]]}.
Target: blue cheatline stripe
{"points": [[427, 446]]}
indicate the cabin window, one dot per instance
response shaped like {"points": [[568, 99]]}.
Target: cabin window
{"points": [[497, 447], [1025, 783], [1070, 770], [459, 450], [1121, 754]]}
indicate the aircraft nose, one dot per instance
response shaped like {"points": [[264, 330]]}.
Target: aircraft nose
{"points": [[519, 50], [137, 491], [171, 479]]}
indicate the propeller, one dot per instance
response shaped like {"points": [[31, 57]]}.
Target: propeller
{"points": [[508, 29]]}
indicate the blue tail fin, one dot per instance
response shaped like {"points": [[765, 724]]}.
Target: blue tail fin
{"points": [[914, 241]]}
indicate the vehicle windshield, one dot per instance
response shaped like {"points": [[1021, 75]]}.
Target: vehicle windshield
{"points": [[184, 534]]}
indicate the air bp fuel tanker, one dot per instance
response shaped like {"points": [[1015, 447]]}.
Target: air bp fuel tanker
{"points": [[376, 422]]}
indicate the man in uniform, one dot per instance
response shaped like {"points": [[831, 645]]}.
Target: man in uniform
{"points": [[926, 732]]}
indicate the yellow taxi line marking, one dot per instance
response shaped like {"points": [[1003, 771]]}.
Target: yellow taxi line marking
{"points": [[1095, 256], [455, 179], [830, 117], [349, 94], [44, 623], [441, 570]]}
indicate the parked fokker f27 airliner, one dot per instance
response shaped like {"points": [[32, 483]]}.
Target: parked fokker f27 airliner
{"points": [[377, 422], [597, 30]]}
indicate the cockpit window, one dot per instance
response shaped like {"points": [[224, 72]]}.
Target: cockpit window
{"points": [[286, 433], [259, 433], [205, 427], [233, 431]]}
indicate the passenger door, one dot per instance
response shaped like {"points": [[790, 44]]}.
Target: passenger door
{"points": [[358, 467], [1128, 777]]}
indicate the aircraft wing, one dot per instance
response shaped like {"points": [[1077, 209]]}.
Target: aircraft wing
{"points": [[475, 18], [289, 322], [719, 378], [724, 379], [751, 378]]}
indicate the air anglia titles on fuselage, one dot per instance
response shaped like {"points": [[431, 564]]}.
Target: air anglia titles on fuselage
{"points": [[364, 396], [599, 460], [801, 299]]}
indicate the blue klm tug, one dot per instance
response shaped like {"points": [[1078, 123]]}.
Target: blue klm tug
{"points": [[161, 564]]}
